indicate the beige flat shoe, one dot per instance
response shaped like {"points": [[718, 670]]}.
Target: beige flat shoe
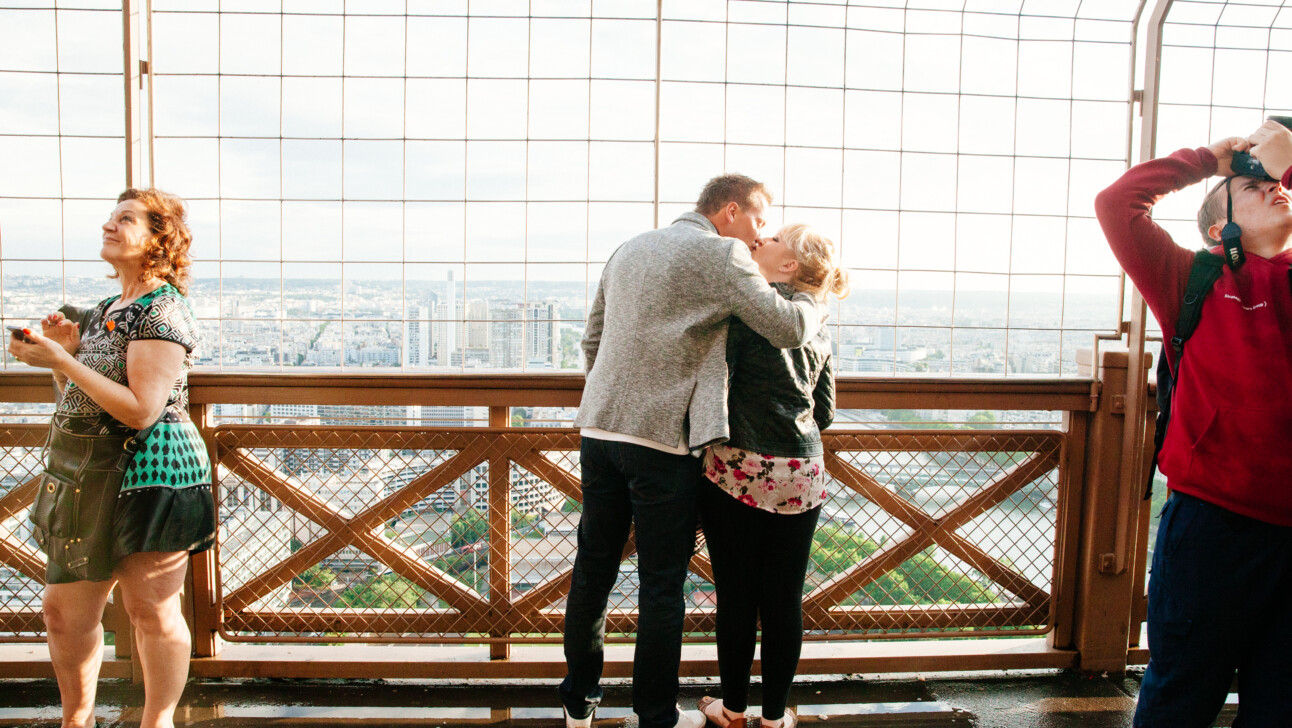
{"points": [[718, 717]]}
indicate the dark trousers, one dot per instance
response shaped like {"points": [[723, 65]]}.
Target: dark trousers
{"points": [[760, 562], [629, 485], [1218, 599]]}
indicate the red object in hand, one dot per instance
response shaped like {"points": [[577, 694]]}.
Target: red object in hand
{"points": [[26, 332]]}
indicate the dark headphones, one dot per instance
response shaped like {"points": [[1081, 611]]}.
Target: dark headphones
{"points": [[1231, 234]]}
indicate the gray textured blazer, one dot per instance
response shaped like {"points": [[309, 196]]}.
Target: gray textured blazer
{"points": [[656, 339]]}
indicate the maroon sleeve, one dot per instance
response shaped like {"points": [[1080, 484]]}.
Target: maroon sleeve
{"points": [[1287, 179], [1155, 264]]}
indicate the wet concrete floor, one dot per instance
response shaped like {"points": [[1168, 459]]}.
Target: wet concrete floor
{"points": [[1042, 699]]}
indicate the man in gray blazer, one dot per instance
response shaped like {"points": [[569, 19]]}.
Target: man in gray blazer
{"points": [[655, 351]]}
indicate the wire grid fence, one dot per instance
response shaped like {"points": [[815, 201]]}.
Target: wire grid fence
{"points": [[22, 563], [384, 534], [63, 145], [359, 223], [1223, 71]]}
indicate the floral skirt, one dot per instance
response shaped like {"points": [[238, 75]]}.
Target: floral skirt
{"points": [[768, 482]]}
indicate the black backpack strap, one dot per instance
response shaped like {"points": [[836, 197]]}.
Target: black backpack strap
{"points": [[1203, 274]]}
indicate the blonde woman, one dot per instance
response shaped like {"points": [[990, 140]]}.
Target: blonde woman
{"points": [[767, 483]]}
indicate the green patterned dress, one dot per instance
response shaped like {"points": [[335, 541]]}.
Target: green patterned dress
{"points": [[165, 502]]}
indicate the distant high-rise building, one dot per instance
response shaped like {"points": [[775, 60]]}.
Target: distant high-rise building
{"points": [[542, 339], [506, 336], [417, 337], [445, 330], [360, 415], [477, 326]]}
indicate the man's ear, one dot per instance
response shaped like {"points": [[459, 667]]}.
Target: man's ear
{"points": [[731, 211], [1213, 232]]}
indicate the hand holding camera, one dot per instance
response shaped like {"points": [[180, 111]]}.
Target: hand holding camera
{"points": [[1271, 148], [1228, 151]]}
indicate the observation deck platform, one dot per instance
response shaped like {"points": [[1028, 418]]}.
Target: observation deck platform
{"points": [[1030, 699]]}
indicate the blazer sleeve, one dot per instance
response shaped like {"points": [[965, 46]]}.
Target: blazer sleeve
{"points": [[786, 324], [592, 330]]}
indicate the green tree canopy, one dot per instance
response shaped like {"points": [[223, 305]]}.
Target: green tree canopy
{"points": [[468, 528]]}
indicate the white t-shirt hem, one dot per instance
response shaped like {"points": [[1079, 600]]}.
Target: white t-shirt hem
{"points": [[680, 449]]}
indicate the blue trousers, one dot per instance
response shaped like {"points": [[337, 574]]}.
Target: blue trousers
{"points": [[629, 485], [1218, 601]]}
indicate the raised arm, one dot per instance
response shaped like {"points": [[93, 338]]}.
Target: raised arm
{"points": [[786, 324], [1158, 267]]}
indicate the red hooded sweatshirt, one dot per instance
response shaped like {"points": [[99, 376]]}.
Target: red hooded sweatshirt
{"points": [[1229, 441]]}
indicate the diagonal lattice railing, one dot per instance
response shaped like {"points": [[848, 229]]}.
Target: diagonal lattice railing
{"points": [[468, 535], [22, 564]]}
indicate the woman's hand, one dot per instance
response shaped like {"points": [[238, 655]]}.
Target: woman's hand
{"points": [[66, 333], [42, 352]]}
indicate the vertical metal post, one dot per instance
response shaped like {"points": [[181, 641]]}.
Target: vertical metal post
{"points": [[1104, 600], [1132, 472], [659, 42], [133, 80], [202, 595], [499, 536], [1067, 530]]}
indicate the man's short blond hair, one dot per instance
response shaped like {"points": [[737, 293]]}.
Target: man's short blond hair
{"points": [[728, 188], [1213, 210]]}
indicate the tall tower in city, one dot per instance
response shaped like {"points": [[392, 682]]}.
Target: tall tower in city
{"points": [[417, 337], [541, 337], [506, 335], [444, 330]]}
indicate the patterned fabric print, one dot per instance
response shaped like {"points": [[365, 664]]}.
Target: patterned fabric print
{"points": [[767, 482], [105, 338], [163, 314], [173, 455]]}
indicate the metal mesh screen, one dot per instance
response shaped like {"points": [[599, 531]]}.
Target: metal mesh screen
{"points": [[455, 536], [22, 564]]}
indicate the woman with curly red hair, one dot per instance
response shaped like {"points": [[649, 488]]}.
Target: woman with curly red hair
{"points": [[122, 369]]}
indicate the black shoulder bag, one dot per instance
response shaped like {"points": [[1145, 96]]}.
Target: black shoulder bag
{"points": [[77, 498]]}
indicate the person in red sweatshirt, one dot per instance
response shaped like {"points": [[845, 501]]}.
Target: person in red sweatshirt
{"points": [[1221, 578]]}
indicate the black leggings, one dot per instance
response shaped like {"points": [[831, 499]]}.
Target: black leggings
{"points": [[760, 562]]}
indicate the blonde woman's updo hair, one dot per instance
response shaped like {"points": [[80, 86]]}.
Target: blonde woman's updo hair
{"points": [[818, 272]]}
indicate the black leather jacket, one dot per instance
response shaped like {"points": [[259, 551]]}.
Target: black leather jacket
{"points": [[778, 400]]}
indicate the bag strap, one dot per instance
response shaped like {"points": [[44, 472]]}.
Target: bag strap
{"points": [[1203, 274]]}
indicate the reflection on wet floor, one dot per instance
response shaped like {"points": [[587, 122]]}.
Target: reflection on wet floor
{"points": [[1043, 699]]}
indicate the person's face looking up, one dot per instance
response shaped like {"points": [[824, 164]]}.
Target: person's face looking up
{"points": [[1260, 204], [743, 223], [775, 259], [126, 233]]}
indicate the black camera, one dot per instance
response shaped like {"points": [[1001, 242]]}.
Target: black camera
{"points": [[1245, 165]]}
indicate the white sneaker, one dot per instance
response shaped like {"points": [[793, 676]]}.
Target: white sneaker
{"points": [[689, 719], [577, 722]]}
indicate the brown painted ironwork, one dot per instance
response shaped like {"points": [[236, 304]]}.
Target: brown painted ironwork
{"points": [[913, 508]]}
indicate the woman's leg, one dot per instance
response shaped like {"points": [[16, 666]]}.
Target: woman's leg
{"points": [[780, 602], [727, 533], [73, 624], [150, 586]]}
